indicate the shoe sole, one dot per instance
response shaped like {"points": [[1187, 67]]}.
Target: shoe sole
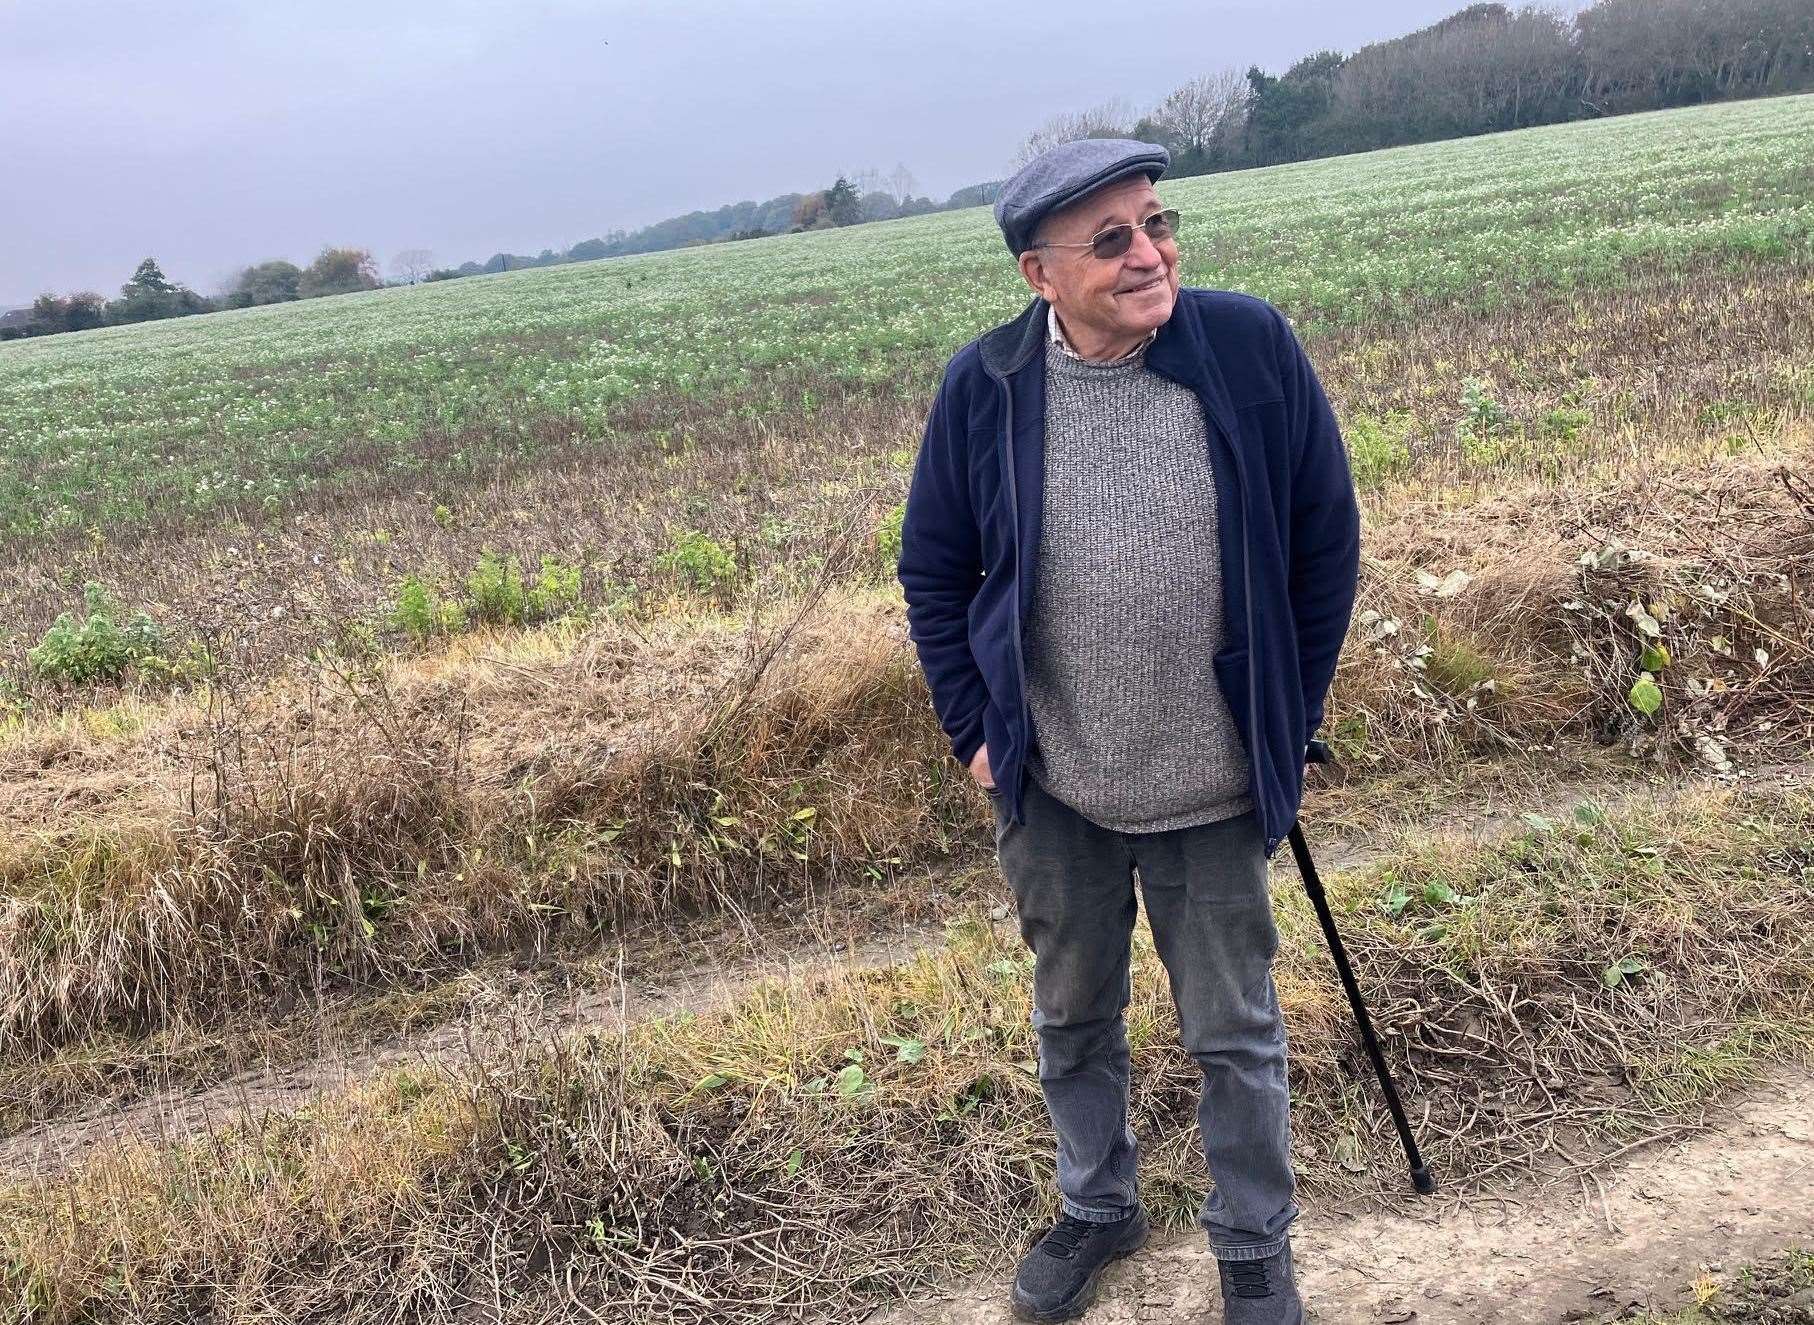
{"points": [[1086, 1296]]}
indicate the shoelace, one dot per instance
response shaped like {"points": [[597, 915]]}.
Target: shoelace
{"points": [[1067, 1235], [1248, 1278]]}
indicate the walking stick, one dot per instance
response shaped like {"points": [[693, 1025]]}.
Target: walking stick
{"points": [[1318, 753]]}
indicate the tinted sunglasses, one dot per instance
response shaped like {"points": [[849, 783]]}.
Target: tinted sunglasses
{"points": [[1118, 239]]}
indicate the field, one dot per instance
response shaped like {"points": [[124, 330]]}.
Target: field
{"points": [[631, 894]]}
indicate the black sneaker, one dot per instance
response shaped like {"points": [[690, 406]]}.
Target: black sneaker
{"points": [[1262, 1292], [1057, 1279]]}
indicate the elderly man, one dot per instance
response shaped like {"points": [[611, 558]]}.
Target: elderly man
{"points": [[1129, 558]]}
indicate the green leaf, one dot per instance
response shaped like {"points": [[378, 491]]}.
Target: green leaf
{"points": [[907, 1050], [851, 1080], [1538, 823], [1654, 658], [1348, 1153], [1645, 696], [806, 813], [1395, 901], [1616, 974], [794, 1161], [713, 1082]]}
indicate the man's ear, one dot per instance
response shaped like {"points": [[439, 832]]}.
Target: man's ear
{"points": [[1033, 271]]}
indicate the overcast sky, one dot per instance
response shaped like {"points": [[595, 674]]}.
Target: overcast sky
{"points": [[213, 133]]}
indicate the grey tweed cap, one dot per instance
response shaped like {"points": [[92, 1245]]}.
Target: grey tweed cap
{"points": [[1063, 174]]}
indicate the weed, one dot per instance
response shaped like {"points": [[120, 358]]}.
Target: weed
{"points": [[699, 560], [100, 646], [421, 613]]}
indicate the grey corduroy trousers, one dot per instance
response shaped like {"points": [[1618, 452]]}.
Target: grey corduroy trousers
{"points": [[1211, 916]]}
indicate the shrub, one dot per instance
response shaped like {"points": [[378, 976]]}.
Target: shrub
{"points": [[1482, 419], [100, 647], [556, 591], [888, 535], [700, 560], [1377, 448], [421, 613], [494, 591]]}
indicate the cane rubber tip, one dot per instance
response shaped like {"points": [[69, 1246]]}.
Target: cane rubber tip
{"points": [[1422, 1181]]}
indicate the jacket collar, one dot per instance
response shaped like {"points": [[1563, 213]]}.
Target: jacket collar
{"points": [[1180, 351], [1012, 345]]}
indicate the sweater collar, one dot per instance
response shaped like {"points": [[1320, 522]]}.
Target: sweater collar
{"points": [[1055, 336]]}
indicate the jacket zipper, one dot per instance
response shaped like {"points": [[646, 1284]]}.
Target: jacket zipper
{"points": [[1020, 662], [1253, 689]]}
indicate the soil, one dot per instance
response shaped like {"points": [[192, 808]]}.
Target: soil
{"points": [[1563, 1247]]}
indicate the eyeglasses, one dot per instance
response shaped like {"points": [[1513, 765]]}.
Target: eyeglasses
{"points": [[1117, 239]]}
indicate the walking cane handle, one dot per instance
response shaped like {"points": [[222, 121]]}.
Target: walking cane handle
{"points": [[1318, 752]]}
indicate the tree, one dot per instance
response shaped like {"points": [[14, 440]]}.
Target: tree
{"points": [[1111, 119], [148, 281], [412, 265], [1201, 115], [149, 295], [810, 213], [878, 205], [272, 282], [1283, 113], [843, 204], [975, 195], [901, 183], [50, 315], [338, 271]]}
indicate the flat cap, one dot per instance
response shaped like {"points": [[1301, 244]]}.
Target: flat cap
{"points": [[1063, 174]]}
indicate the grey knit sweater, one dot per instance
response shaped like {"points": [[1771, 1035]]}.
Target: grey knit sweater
{"points": [[1131, 729]]}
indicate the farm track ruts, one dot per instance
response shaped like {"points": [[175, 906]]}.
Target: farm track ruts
{"points": [[172, 1114]]}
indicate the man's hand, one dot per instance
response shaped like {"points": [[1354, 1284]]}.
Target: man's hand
{"points": [[980, 770]]}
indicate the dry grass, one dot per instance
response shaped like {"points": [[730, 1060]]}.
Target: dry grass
{"points": [[389, 824], [1508, 623], [718, 1167]]}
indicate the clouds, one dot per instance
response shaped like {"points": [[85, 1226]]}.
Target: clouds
{"points": [[214, 133]]}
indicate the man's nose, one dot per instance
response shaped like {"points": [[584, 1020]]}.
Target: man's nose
{"points": [[1143, 252]]}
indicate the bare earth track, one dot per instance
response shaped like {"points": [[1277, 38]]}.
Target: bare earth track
{"points": [[179, 1112], [1556, 1249]]}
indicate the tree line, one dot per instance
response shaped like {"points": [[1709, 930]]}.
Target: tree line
{"points": [[1483, 69], [149, 295], [852, 199]]}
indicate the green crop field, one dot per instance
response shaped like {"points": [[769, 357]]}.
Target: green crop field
{"points": [[248, 410]]}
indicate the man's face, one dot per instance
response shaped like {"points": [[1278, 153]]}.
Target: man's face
{"points": [[1110, 301]]}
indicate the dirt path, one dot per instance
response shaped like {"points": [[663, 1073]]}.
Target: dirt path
{"points": [[1566, 1249], [187, 1111]]}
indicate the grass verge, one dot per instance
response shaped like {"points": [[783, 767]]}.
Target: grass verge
{"points": [[413, 820], [833, 1142]]}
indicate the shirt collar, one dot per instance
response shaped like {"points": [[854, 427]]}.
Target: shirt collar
{"points": [[1055, 334]]}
